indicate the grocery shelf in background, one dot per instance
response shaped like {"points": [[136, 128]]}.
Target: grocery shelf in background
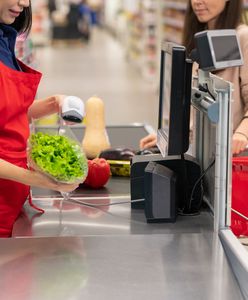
{"points": [[150, 27], [141, 45], [139, 25], [25, 50], [148, 23], [41, 24], [172, 20]]}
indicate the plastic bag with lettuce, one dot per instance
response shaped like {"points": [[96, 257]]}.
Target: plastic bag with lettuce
{"points": [[58, 156]]}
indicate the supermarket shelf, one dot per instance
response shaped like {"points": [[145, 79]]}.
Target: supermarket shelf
{"points": [[173, 39], [173, 22], [175, 5]]}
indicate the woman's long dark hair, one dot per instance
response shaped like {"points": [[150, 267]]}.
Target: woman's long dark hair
{"points": [[230, 18], [24, 22]]}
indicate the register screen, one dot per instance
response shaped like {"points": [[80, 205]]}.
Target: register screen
{"points": [[224, 53]]}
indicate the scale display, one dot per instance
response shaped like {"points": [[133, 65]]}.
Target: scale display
{"points": [[218, 49]]}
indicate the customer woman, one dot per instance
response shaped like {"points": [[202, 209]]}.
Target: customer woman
{"points": [[18, 86], [222, 14]]}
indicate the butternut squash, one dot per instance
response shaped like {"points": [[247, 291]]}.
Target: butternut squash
{"points": [[95, 138]]}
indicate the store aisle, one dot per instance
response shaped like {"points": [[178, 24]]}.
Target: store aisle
{"points": [[101, 69]]}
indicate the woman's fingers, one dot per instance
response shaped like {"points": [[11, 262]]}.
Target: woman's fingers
{"points": [[148, 141], [67, 187], [239, 143]]}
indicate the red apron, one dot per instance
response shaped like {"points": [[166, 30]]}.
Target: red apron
{"points": [[17, 93]]}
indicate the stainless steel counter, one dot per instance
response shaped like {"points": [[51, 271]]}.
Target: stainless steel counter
{"points": [[63, 218], [75, 251], [124, 267], [110, 252], [70, 219]]}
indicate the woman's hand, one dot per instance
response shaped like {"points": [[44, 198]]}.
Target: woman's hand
{"points": [[45, 107], [148, 141], [59, 100], [239, 142], [32, 178], [42, 181]]}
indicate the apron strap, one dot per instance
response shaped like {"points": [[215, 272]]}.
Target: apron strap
{"points": [[33, 205]]}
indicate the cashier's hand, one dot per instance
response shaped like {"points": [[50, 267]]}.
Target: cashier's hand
{"points": [[42, 181], [148, 141], [239, 143], [59, 100]]}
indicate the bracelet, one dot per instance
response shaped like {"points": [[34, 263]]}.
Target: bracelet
{"points": [[241, 133]]}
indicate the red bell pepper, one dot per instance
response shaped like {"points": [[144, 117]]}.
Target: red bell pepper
{"points": [[98, 173]]}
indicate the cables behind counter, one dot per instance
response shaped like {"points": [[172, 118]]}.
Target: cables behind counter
{"points": [[186, 210], [198, 181], [205, 89], [71, 200]]}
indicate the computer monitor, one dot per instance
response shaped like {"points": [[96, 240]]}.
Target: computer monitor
{"points": [[217, 49], [174, 100]]}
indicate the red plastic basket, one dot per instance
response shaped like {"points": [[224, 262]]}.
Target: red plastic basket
{"points": [[239, 215]]}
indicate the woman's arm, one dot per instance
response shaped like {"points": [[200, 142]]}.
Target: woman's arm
{"points": [[240, 135], [45, 107], [32, 178]]}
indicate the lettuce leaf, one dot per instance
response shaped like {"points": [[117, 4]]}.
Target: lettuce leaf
{"points": [[59, 157]]}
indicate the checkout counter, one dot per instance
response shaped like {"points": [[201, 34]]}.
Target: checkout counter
{"points": [[77, 251]]}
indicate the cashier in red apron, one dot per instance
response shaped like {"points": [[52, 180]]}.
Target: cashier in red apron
{"points": [[18, 86]]}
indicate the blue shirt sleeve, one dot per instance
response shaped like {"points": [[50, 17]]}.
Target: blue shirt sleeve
{"points": [[7, 47]]}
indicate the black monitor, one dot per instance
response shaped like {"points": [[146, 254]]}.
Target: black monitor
{"points": [[174, 100]]}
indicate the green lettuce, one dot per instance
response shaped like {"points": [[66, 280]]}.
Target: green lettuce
{"points": [[58, 156]]}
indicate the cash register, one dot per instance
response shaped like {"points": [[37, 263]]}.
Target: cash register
{"points": [[171, 182]]}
